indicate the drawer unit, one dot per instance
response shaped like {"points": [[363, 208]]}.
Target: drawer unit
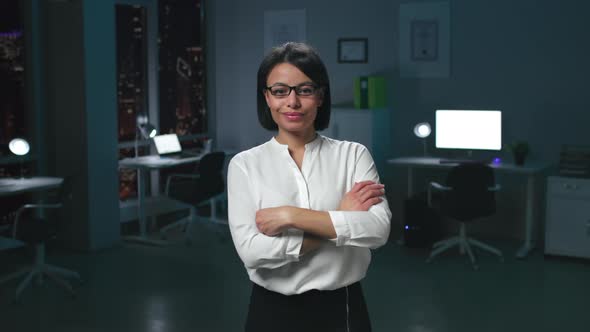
{"points": [[567, 230]]}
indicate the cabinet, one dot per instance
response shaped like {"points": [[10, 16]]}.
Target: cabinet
{"points": [[567, 230], [370, 127]]}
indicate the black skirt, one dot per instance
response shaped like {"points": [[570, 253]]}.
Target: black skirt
{"points": [[340, 310]]}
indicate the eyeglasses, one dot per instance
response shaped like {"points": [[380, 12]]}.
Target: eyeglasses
{"points": [[283, 90]]}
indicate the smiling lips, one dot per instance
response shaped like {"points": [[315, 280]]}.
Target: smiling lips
{"points": [[293, 115]]}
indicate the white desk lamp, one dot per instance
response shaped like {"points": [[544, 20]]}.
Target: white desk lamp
{"points": [[144, 130], [20, 147], [422, 130]]}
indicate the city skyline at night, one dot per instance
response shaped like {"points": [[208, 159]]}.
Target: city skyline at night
{"points": [[181, 75], [13, 113], [12, 74]]}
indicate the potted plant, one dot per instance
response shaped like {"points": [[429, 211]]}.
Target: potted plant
{"points": [[519, 149]]}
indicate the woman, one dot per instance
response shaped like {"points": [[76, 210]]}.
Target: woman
{"points": [[304, 209]]}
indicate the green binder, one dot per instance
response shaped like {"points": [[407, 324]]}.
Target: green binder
{"points": [[369, 92], [376, 93], [361, 93]]}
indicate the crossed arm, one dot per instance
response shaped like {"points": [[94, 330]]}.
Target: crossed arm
{"points": [[317, 225], [281, 235]]}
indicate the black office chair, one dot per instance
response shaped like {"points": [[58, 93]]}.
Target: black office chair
{"points": [[469, 194], [8, 208], [205, 186], [36, 224]]}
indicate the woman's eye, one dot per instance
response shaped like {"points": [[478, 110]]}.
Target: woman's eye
{"points": [[279, 91], [306, 90]]}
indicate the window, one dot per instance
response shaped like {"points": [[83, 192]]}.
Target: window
{"points": [[182, 68], [181, 77], [13, 119]]}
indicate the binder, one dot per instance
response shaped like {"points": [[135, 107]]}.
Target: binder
{"points": [[376, 93], [369, 92], [361, 92]]}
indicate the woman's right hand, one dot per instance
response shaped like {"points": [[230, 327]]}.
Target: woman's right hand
{"points": [[362, 196]]}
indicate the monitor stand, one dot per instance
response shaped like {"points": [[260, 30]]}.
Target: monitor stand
{"points": [[469, 159]]}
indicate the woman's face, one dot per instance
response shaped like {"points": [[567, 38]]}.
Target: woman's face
{"points": [[293, 110]]}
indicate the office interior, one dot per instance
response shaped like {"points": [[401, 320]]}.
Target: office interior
{"points": [[526, 58]]}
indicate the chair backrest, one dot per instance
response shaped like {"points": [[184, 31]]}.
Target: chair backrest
{"points": [[212, 163], [470, 197], [210, 172], [35, 229]]}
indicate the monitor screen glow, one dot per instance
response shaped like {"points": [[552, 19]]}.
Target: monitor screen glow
{"points": [[468, 129], [167, 143]]}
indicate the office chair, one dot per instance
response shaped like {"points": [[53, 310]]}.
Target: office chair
{"points": [[8, 208], [205, 186], [469, 194], [36, 231]]}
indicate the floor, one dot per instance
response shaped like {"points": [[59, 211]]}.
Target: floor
{"points": [[203, 287]]}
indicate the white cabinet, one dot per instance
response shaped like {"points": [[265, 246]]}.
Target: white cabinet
{"points": [[370, 127], [349, 124], [567, 230]]}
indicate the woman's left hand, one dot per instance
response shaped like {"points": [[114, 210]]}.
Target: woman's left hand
{"points": [[273, 221]]}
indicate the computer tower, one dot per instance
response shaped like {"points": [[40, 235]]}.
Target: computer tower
{"points": [[421, 223]]}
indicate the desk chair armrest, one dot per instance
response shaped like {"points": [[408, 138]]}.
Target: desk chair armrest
{"points": [[438, 187], [178, 176], [25, 207], [495, 188]]}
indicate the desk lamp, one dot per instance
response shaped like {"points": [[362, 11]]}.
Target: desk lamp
{"points": [[144, 130], [20, 147], [422, 130]]}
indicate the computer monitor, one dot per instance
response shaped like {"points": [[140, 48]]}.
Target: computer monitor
{"points": [[468, 129]]}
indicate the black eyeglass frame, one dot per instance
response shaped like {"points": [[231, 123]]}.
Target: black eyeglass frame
{"points": [[316, 87]]}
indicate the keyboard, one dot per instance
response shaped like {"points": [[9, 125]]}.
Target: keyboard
{"points": [[462, 161]]}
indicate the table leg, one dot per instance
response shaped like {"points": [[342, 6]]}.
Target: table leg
{"points": [[143, 236], [528, 244], [140, 202]]}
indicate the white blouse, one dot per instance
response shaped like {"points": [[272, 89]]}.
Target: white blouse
{"points": [[266, 176]]}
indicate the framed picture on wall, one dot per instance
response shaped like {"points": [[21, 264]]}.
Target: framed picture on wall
{"points": [[424, 40], [353, 50]]}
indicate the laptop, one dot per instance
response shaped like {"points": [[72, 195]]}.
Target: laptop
{"points": [[168, 146]]}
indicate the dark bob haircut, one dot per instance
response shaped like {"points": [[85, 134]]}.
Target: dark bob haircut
{"points": [[308, 61]]}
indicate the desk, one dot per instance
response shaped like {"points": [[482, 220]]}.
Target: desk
{"points": [[11, 186], [144, 165], [530, 170]]}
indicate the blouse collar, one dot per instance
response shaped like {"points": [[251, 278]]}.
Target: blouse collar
{"points": [[308, 147]]}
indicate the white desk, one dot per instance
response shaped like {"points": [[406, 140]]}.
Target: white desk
{"points": [[144, 165], [530, 170], [11, 186]]}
